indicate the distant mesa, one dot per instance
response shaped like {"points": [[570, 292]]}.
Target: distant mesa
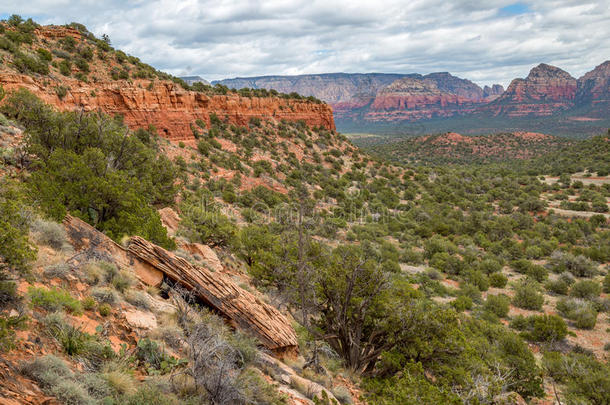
{"points": [[190, 80], [387, 100]]}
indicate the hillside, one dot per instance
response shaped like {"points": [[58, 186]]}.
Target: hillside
{"points": [[453, 148], [274, 262], [69, 68]]}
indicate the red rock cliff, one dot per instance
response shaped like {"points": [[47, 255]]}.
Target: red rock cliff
{"points": [[166, 105], [544, 91]]}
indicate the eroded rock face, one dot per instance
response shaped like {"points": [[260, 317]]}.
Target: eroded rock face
{"points": [[166, 105], [546, 90], [435, 95], [593, 90]]}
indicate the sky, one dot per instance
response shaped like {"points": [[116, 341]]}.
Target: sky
{"points": [[491, 41]]}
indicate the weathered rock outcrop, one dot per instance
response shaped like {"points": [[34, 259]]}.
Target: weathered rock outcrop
{"points": [[546, 90], [217, 290], [166, 105], [152, 264]]}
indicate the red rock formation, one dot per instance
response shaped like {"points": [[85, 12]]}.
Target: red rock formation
{"points": [[414, 99], [546, 90], [166, 105], [493, 92], [593, 90]]}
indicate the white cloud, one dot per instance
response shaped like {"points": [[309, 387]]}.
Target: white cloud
{"points": [[489, 43]]}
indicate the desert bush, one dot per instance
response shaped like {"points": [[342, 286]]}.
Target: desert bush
{"points": [[119, 382], [105, 295], [8, 293], [173, 336], [54, 299], [8, 324], [579, 266], [104, 309], [29, 64], [48, 370], [118, 200], [581, 312], [498, 305], [585, 379], [541, 328], [92, 273], [606, 283], [59, 270], [527, 296], [50, 233], [88, 303], [462, 303], [586, 289], [138, 299], [498, 280], [477, 278], [15, 250], [558, 286]]}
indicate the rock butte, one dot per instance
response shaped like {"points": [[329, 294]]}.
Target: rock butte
{"points": [[166, 105]]}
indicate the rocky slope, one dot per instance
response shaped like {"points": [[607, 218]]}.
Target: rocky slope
{"points": [[141, 98]]}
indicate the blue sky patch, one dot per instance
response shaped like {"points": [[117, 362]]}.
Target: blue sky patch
{"points": [[515, 9]]}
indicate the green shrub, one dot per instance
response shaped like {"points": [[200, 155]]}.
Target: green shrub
{"points": [[104, 310], [29, 64], [50, 233], [527, 296], [54, 299], [7, 330], [606, 283], [558, 286], [579, 266], [581, 312], [541, 328], [15, 250], [586, 289], [498, 305], [462, 303], [65, 67], [498, 280], [478, 279], [61, 92], [88, 303], [43, 54], [585, 379], [118, 200]]}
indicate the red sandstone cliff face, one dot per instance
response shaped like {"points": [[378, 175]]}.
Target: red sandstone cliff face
{"points": [[546, 90], [415, 99], [593, 90], [167, 106]]}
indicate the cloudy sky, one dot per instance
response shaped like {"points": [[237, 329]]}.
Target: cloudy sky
{"points": [[491, 43]]}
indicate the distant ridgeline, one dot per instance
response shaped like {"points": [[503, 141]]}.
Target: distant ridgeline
{"points": [[548, 100]]}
